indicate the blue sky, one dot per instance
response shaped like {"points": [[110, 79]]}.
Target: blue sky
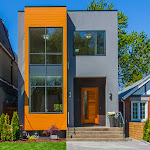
{"points": [[138, 12]]}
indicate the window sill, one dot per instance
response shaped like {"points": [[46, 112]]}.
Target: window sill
{"points": [[45, 112]]}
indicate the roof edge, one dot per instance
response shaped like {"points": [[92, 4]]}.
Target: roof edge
{"points": [[92, 10], [45, 6], [135, 89]]}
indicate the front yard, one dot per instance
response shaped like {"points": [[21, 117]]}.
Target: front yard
{"points": [[33, 146]]}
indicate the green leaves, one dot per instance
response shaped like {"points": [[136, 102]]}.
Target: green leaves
{"points": [[134, 57], [133, 48], [146, 131], [100, 5], [6, 134], [15, 126], [2, 121]]}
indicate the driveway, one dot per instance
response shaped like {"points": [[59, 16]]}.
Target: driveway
{"points": [[125, 145]]}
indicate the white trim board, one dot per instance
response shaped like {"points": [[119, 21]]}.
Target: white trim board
{"points": [[135, 89]]}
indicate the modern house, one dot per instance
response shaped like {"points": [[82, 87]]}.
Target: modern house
{"points": [[8, 73], [135, 105], [68, 67]]}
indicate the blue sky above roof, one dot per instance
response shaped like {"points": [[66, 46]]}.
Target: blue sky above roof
{"points": [[137, 11]]}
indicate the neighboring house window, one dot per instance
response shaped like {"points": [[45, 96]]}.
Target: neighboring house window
{"points": [[139, 111], [89, 43], [45, 70]]}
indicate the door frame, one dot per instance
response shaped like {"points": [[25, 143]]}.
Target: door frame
{"points": [[97, 104]]}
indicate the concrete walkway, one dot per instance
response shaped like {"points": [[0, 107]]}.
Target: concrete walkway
{"points": [[126, 145]]}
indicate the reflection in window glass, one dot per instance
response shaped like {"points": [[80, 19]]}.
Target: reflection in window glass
{"points": [[45, 50], [53, 80], [85, 104], [89, 43], [84, 43], [53, 59], [142, 109], [37, 59], [54, 99], [38, 99], [37, 80], [139, 112], [53, 40], [100, 43], [135, 110], [37, 40]]}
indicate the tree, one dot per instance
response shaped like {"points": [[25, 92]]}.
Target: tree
{"points": [[6, 134], [2, 121], [15, 127], [134, 58], [133, 48]]}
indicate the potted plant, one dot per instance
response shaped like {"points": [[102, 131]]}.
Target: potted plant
{"points": [[52, 132], [111, 116]]}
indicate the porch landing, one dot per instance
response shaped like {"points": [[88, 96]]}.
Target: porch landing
{"points": [[95, 133]]}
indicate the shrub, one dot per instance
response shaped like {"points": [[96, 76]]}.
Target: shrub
{"points": [[6, 134], [32, 138], [146, 131], [52, 130], [15, 127], [2, 121]]}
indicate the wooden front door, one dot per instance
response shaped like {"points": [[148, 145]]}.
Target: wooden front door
{"points": [[89, 105]]}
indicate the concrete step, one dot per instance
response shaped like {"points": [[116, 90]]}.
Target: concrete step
{"points": [[96, 136], [95, 129], [96, 139], [94, 132]]}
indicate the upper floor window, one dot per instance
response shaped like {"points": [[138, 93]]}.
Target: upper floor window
{"points": [[89, 43], [45, 45]]}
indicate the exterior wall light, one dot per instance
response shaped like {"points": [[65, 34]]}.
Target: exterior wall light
{"points": [[110, 96]]}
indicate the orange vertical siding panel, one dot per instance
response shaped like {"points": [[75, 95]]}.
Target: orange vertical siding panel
{"points": [[45, 17]]}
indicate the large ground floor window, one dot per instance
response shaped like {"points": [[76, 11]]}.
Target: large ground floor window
{"points": [[46, 94], [45, 69], [139, 111]]}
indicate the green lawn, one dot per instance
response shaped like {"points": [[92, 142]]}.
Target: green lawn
{"points": [[33, 146]]}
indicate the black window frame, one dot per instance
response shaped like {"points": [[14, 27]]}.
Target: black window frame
{"points": [[95, 43], [45, 65]]}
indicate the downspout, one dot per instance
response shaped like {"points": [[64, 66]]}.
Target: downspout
{"points": [[124, 114]]}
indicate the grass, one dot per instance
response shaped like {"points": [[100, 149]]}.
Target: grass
{"points": [[33, 146]]}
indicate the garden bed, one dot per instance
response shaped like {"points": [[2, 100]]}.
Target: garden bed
{"points": [[37, 140]]}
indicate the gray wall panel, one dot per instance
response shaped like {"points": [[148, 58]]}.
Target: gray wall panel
{"points": [[96, 66], [21, 66]]}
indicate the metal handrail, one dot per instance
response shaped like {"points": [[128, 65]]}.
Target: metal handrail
{"points": [[120, 113]]}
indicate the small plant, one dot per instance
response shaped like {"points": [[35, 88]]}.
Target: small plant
{"points": [[6, 134], [32, 138], [146, 131], [111, 114], [2, 121], [15, 127], [52, 130]]}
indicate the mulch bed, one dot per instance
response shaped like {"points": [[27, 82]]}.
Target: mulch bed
{"points": [[37, 140]]}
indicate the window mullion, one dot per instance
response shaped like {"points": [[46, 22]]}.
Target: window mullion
{"points": [[95, 43], [45, 72], [131, 110], [139, 112]]}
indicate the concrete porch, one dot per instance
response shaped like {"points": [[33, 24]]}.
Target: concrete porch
{"points": [[95, 133]]}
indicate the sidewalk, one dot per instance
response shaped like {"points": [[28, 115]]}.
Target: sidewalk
{"points": [[126, 145]]}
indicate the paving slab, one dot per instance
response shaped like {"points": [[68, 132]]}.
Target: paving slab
{"points": [[124, 145]]}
